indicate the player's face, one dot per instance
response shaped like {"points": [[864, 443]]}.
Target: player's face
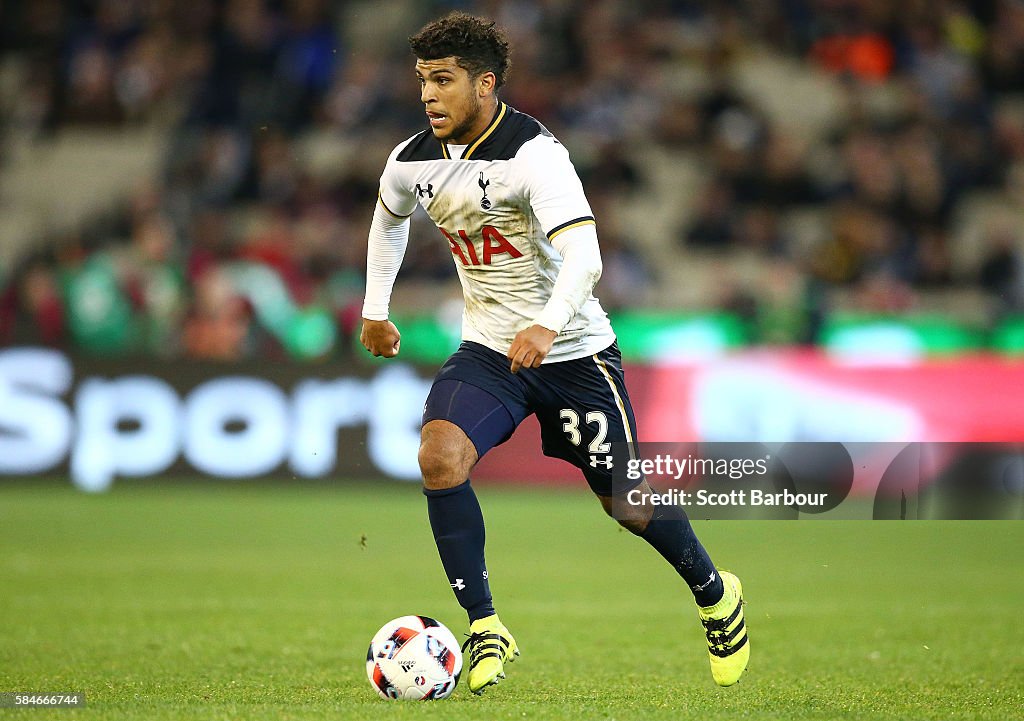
{"points": [[458, 106]]}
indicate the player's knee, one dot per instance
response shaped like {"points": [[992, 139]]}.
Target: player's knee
{"points": [[632, 521], [631, 517], [438, 469], [446, 456], [636, 526]]}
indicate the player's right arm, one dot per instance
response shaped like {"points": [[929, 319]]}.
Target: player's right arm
{"points": [[389, 236]]}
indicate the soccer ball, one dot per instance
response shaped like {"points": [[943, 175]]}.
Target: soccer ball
{"points": [[415, 658]]}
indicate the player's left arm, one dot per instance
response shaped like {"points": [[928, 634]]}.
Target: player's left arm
{"points": [[557, 198], [581, 269]]}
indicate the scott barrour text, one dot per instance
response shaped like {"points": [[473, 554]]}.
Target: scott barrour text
{"points": [[734, 498]]}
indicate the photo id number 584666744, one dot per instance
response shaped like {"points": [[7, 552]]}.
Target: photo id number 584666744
{"points": [[46, 700]]}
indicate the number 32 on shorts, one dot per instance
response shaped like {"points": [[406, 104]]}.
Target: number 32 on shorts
{"points": [[571, 426]]}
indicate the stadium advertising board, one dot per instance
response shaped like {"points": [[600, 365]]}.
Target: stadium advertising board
{"points": [[101, 420]]}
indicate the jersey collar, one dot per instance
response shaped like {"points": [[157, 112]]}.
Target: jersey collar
{"points": [[467, 154]]}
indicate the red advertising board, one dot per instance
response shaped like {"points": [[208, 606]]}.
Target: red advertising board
{"points": [[794, 395], [99, 421]]}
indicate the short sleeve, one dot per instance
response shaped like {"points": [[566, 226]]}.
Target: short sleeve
{"points": [[552, 186], [395, 195]]}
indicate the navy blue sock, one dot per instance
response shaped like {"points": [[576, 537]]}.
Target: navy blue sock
{"points": [[458, 526], [671, 534]]}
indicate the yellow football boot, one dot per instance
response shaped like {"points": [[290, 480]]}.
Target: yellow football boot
{"points": [[488, 647], [728, 645]]}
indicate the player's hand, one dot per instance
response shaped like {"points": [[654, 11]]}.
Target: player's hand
{"points": [[380, 337], [530, 347]]}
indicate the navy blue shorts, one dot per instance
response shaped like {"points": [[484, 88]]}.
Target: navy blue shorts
{"points": [[582, 406]]}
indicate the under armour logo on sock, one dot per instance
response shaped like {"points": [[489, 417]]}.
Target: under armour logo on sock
{"points": [[458, 585], [704, 586]]}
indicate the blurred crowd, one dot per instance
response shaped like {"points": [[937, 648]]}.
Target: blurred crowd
{"points": [[245, 246]]}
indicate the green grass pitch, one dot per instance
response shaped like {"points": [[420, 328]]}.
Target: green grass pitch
{"points": [[195, 600]]}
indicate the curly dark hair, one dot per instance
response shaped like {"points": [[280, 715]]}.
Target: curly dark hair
{"points": [[475, 43]]}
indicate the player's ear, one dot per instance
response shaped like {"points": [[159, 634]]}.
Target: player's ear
{"points": [[486, 83]]}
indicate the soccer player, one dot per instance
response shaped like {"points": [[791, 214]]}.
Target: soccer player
{"points": [[506, 198]]}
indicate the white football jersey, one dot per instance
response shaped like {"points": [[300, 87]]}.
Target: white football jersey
{"points": [[499, 202]]}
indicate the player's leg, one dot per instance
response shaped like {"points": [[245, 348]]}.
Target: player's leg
{"points": [[462, 421], [446, 456], [591, 425], [668, 530]]}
